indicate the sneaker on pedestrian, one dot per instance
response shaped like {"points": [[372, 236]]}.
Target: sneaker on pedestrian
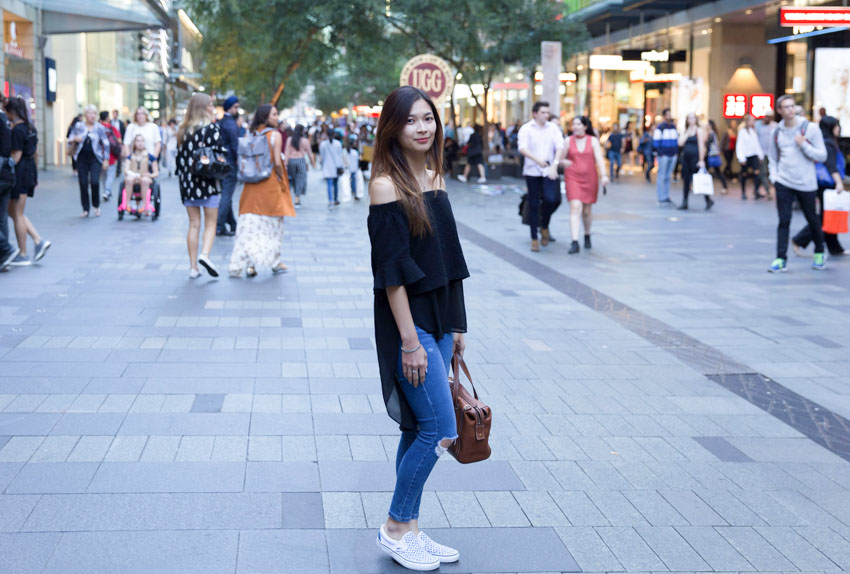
{"points": [[445, 554], [41, 249], [194, 273], [482, 180], [667, 201], [207, 264], [7, 259], [587, 244], [819, 262], [409, 551], [20, 261], [574, 248], [779, 265], [461, 178]]}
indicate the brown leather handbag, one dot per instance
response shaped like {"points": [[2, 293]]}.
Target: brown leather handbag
{"points": [[473, 418]]}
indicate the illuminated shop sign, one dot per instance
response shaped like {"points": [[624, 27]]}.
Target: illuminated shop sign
{"points": [[760, 104], [655, 55], [790, 16], [734, 106]]}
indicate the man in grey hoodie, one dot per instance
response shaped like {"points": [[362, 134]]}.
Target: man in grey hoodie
{"points": [[795, 146]]}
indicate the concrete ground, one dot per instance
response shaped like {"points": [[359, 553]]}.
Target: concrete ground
{"points": [[661, 403]]}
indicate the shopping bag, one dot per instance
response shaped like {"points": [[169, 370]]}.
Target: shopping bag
{"points": [[703, 183], [836, 210]]}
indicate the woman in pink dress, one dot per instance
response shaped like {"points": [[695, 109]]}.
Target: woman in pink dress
{"points": [[584, 168]]}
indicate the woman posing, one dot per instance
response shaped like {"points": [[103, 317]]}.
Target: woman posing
{"points": [[713, 159], [92, 155], [692, 142], [835, 165], [24, 147], [420, 316], [750, 155], [196, 192], [296, 153], [262, 207], [584, 168]]}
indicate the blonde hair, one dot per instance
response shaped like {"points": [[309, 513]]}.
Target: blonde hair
{"points": [[196, 116], [142, 109], [135, 139]]}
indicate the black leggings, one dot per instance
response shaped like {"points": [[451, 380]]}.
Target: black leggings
{"points": [[88, 172], [806, 235], [719, 173], [751, 170]]}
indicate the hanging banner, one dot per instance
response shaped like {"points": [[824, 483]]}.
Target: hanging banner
{"points": [[790, 16], [430, 74]]}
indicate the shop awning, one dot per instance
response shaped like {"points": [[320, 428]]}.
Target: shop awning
{"points": [[76, 16]]}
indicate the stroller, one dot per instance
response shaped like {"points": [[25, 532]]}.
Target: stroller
{"points": [[135, 194]]}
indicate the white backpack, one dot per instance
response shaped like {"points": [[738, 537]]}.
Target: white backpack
{"points": [[255, 157]]}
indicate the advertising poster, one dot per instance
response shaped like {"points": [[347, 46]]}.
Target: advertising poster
{"points": [[832, 84]]}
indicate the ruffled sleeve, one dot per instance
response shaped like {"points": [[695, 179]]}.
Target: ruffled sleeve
{"points": [[389, 233]]}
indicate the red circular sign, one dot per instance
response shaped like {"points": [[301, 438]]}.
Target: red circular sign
{"points": [[430, 74]]}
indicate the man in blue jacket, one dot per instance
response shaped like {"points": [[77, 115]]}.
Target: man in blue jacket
{"points": [[665, 142], [230, 135]]}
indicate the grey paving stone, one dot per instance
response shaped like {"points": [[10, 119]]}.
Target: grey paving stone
{"points": [[462, 509], [271, 424], [695, 511], [677, 554], [162, 551], [579, 509], [207, 404], [630, 549], [289, 551], [172, 511], [714, 549], [540, 509], [617, 509], [759, 552], [796, 548], [482, 550], [52, 477], [655, 509], [3, 441], [502, 509], [126, 449], [26, 552], [374, 424], [343, 510], [90, 449], [588, 549], [120, 477], [830, 543], [380, 476], [303, 510], [21, 448], [8, 471], [722, 449], [27, 424], [14, 510], [282, 477], [185, 424]]}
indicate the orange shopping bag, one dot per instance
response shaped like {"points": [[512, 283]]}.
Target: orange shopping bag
{"points": [[836, 211]]}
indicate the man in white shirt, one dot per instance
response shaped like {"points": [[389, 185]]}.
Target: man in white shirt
{"points": [[539, 142]]}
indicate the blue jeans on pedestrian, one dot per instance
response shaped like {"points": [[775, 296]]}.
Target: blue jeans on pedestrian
{"points": [[431, 403], [666, 164], [354, 183], [225, 207], [615, 156], [333, 188]]}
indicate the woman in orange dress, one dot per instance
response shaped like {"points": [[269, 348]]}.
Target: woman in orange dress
{"points": [[262, 207], [584, 169]]}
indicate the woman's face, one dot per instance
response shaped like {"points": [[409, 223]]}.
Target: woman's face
{"points": [[273, 118], [91, 116], [211, 110], [141, 117], [139, 143], [578, 127], [751, 121], [418, 133]]}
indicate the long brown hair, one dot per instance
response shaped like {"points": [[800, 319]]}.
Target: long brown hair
{"points": [[196, 116], [389, 159]]}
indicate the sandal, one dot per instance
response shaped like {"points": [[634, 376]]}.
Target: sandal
{"points": [[280, 268]]}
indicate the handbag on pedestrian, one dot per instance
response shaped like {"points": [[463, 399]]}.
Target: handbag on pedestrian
{"points": [[836, 211], [473, 418], [703, 183]]}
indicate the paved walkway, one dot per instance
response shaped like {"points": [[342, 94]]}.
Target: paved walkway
{"points": [[661, 402]]}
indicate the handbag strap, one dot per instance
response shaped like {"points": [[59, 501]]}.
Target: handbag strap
{"points": [[457, 361]]}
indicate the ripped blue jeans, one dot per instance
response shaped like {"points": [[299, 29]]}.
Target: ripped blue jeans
{"points": [[419, 450]]}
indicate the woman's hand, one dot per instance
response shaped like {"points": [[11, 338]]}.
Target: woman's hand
{"points": [[459, 344], [553, 172], [701, 164], [414, 365], [605, 180]]}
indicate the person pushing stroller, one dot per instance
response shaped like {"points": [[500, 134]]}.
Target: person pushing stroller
{"points": [[140, 168]]}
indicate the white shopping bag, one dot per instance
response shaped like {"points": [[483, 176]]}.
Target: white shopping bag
{"points": [[344, 182], [834, 201], [703, 183]]}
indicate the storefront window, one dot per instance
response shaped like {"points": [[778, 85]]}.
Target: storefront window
{"points": [[797, 72]]}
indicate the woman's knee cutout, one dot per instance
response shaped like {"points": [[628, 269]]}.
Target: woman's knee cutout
{"points": [[444, 445]]}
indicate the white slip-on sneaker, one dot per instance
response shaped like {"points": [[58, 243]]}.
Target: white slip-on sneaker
{"points": [[207, 264], [409, 551], [444, 554], [194, 273]]}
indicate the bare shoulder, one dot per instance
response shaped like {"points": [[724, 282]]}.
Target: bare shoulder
{"points": [[382, 190], [437, 181]]}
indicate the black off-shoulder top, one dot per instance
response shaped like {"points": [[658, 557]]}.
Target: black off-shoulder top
{"points": [[431, 268]]}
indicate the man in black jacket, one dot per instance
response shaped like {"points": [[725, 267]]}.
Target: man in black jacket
{"points": [[7, 181], [230, 135]]}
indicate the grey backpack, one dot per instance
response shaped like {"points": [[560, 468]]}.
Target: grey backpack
{"points": [[255, 157]]}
